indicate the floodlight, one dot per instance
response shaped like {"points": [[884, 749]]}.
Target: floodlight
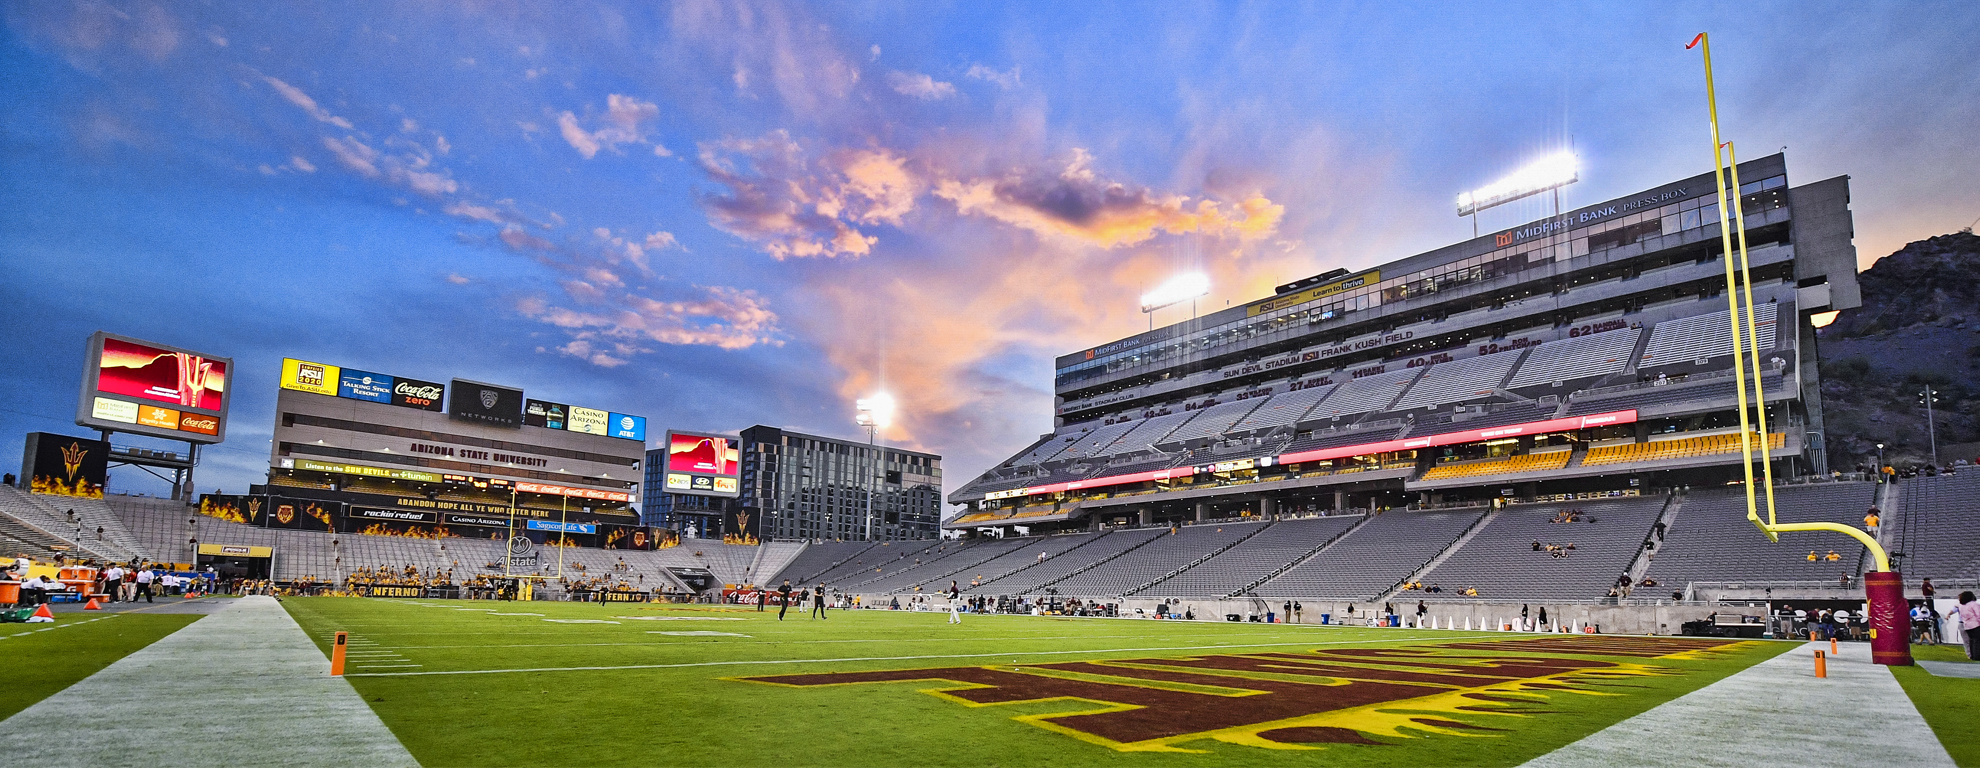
{"points": [[875, 411], [1551, 172], [1177, 290]]}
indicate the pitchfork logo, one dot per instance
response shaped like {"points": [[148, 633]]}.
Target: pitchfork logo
{"points": [[488, 397]]}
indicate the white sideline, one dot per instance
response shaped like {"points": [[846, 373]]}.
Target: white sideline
{"points": [[1777, 708], [241, 686]]}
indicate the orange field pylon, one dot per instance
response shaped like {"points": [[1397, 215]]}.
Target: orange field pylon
{"points": [[337, 654], [92, 605], [1834, 650], [44, 613], [1821, 665]]}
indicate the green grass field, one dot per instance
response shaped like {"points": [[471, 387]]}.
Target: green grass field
{"points": [[479, 683], [38, 660]]}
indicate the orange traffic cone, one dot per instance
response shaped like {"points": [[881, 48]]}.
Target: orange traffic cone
{"points": [[42, 615], [92, 605]]}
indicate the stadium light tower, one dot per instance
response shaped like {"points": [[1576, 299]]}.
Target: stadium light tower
{"points": [[872, 413], [1184, 287], [1547, 173]]}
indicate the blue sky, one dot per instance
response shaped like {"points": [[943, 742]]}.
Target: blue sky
{"points": [[722, 214]]}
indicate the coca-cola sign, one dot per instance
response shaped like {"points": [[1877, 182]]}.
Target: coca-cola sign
{"points": [[413, 393]]}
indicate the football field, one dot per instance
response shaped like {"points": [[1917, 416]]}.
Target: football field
{"points": [[486, 683]]}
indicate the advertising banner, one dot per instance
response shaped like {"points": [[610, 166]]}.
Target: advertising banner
{"points": [[395, 515], [232, 508], [413, 393], [364, 385], [703, 465], [301, 514], [314, 378], [546, 414], [480, 521], [488, 404], [590, 421], [557, 527], [145, 388], [628, 426], [739, 526], [59, 465], [235, 550]]}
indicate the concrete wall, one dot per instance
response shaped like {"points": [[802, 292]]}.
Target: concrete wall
{"points": [[1666, 619]]}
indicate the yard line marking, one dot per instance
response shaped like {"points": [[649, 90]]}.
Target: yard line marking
{"points": [[816, 642], [382, 666], [1219, 647]]}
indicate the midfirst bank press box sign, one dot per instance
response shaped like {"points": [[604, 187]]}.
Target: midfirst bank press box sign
{"points": [[147, 388]]}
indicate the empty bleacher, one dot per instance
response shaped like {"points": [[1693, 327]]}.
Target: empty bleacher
{"points": [[1160, 557], [1025, 557], [816, 559], [1056, 567], [1538, 461], [1212, 422], [958, 566], [1938, 527], [1674, 447], [1373, 558], [74, 522], [1597, 354], [1254, 558], [1458, 381], [1500, 560], [1149, 431], [1703, 336], [1368, 393], [1283, 409], [1711, 540], [1655, 396]]}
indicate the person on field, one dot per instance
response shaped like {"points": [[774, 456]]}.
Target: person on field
{"points": [[145, 577], [113, 582], [818, 603], [783, 599], [1969, 623], [761, 598], [955, 610]]}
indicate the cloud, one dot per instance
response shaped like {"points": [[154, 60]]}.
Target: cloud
{"points": [[297, 162], [458, 279], [474, 212], [412, 169], [297, 97], [1004, 80], [1075, 205], [920, 86], [621, 124], [775, 198], [717, 316]]}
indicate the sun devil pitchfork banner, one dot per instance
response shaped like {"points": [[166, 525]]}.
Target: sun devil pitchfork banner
{"points": [[65, 466]]}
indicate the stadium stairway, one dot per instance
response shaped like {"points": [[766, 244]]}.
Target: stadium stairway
{"points": [[1373, 558], [950, 568], [816, 558], [1205, 557], [1011, 563], [772, 557], [1162, 554], [925, 558], [1356, 521], [1450, 551], [1115, 545]]}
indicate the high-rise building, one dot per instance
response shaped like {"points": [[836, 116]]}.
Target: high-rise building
{"points": [[802, 486]]}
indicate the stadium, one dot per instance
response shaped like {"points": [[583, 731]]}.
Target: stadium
{"points": [[1582, 489]]}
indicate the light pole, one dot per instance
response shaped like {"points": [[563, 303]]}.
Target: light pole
{"points": [[872, 413], [1927, 398], [1878, 471]]}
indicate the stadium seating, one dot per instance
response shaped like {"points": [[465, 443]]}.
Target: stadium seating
{"points": [[1501, 414], [1016, 560], [929, 557], [1711, 540], [1674, 448], [1095, 443], [1321, 439], [1703, 336], [1255, 557], [1368, 393], [1597, 354], [958, 566], [1645, 397], [1457, 381], [1938, 527], [1500, 562], [1150, 431], [1105, 545], [1282, 409], [1373, 557], [1156, 559], [816, 559], [1214, 421], [1538, 461], [37, 518]]}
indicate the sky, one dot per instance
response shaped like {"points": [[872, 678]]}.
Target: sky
{"points": [[722, 214]]}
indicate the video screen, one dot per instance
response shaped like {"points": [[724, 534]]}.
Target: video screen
{"points": [[702, 454], [184, 379]]}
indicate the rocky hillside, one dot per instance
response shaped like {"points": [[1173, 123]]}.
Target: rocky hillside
{"points": [[1919, 325]]}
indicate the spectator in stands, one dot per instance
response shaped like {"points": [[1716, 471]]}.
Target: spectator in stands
{"points": [[1832, 556], [1969, 623], [1871, 519], [1812, 557]]}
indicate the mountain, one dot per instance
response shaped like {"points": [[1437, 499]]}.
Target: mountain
{"points": [[1919, 325]]}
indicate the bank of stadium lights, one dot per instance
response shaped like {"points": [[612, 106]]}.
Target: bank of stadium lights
{"points": [[1184, 287], [1547, 173], [873, 413]]}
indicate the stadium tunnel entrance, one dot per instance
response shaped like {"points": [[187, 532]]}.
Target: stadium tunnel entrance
{"points": [[237, 561]]}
